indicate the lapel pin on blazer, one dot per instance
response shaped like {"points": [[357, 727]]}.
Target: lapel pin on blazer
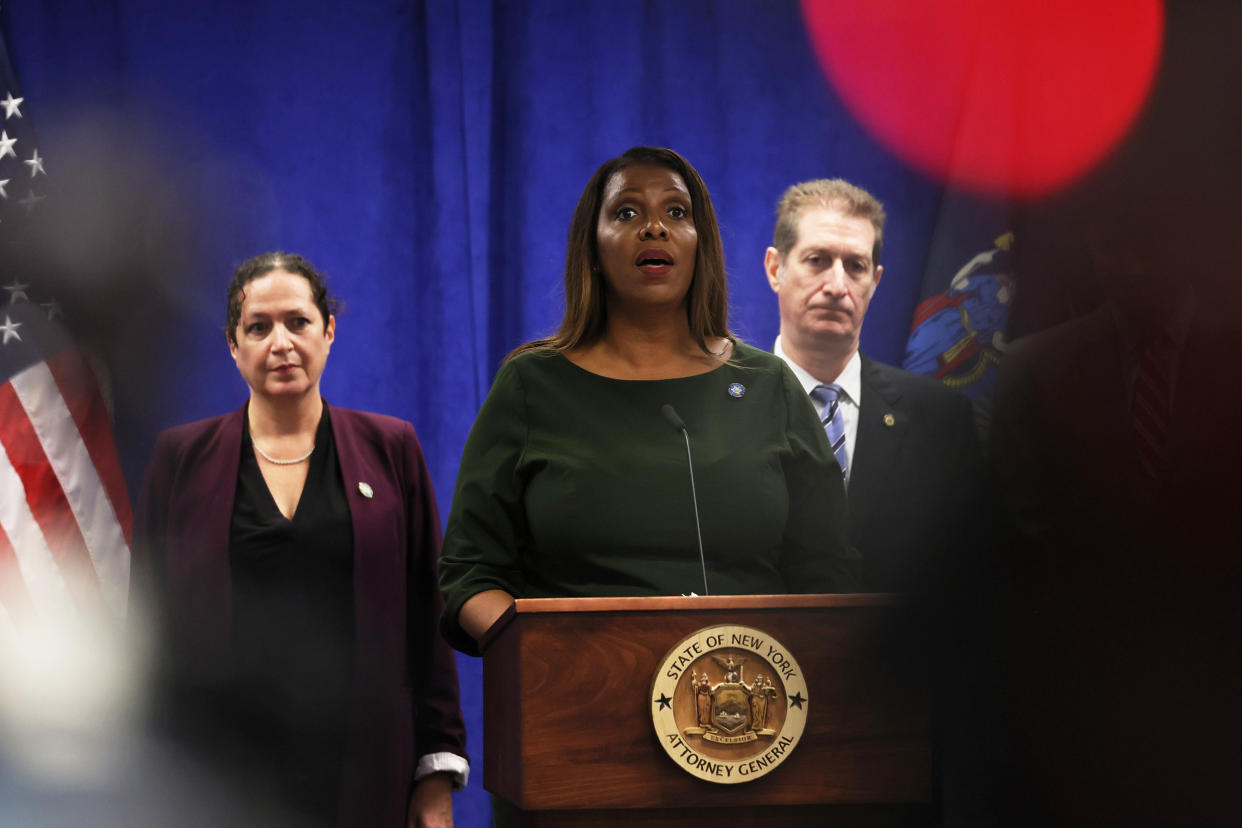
{"points": [[366, 489], [889, 420], [736, 389]]}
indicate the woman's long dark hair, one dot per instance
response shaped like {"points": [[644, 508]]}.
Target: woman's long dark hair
{"points": [[586, 312]]}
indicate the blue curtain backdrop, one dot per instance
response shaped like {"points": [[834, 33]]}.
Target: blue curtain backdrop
{"points": [[428, 157]]}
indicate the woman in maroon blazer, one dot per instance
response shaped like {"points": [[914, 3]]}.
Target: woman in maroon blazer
{"points": [[290, 551]]}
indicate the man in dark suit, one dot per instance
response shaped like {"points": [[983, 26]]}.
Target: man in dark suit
{"points": [[906, 443], [911, 456]]}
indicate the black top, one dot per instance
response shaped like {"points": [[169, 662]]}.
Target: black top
{"points": [[575, 484], [292, 589]]}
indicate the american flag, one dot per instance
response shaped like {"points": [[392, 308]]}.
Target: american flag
{"points": [[65, 520]]}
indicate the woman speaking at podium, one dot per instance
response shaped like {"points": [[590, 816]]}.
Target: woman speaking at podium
{"points": [[575, 479]]}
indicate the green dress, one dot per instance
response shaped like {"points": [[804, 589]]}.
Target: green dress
{"points": [[575, 484]]}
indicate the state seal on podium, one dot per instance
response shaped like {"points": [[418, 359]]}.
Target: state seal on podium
{"points": [[729, 704]]}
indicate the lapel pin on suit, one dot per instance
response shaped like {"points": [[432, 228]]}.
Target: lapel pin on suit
{"points": [[366, 489], [889, 420]]}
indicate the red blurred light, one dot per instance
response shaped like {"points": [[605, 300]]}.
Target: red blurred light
{"points": [[1006, 97]]}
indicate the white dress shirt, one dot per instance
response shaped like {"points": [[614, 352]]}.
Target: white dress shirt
{"points": [[850, 399]]}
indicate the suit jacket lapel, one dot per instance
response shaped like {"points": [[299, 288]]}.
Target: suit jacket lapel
{"points": [[877, 442], [200, 571], [220, 476], [378, 516], [370, 488]]}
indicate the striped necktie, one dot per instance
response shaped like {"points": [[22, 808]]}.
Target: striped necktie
{"points": [[834, 424], [1150, 409]]}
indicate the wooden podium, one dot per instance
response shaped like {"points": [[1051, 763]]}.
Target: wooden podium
{"points": [[568, 734]]}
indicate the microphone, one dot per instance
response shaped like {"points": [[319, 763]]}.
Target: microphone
{"points": [[670, 414]]}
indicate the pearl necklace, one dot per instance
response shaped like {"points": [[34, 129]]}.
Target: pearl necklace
{"points": [[269, 458]]}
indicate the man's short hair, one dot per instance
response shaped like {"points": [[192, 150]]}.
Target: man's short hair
{"points": [[832, 193]]}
